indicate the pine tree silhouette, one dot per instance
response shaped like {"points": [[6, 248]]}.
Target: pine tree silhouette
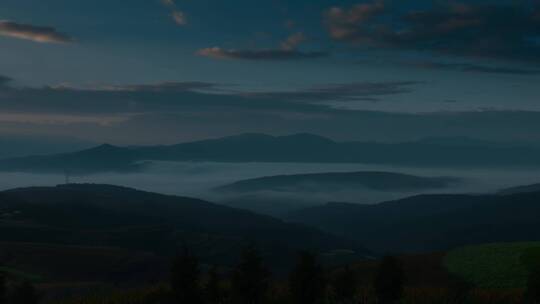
{"points": [[345, 286], [250, 279], [213, 291], [3, 289], [185, 279], [389, 281], [24, 293], [307, 281], [533, 287]]}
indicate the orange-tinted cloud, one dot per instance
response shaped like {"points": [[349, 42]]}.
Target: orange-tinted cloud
{"points": [[41, 34]]}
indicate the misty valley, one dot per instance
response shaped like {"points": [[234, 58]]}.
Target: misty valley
{"points": [[105, 228], [270, 152]]}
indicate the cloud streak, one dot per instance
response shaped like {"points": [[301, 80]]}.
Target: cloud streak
{"points": [[42, 34], [503, 31], [259, 55], [366, 91], [288, 51], [477, 68], [178, 16]]}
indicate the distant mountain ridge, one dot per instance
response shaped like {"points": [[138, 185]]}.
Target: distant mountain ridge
{"points": [[300, 148], [520, 189], [338, 181]]}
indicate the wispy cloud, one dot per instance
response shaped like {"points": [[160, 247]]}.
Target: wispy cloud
{"points": [[178, 16], [477, 68], [367, 91], [41, 34], [288, 50], [502, 31], [267, 54]]}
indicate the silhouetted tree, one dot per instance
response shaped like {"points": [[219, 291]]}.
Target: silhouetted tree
{"points": [[307, 281], [345, 286], [185, 276], [533, 287], [3, 289], [250, 280], [389, 280], [459, 290], [24, 293], [213, 291]]}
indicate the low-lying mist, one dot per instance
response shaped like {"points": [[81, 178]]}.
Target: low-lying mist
{"points": [[198, 179]]}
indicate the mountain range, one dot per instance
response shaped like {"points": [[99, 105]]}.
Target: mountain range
{"points": [[300, 148]]}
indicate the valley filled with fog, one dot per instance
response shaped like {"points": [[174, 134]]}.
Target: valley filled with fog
{"points": [[199, 179]]}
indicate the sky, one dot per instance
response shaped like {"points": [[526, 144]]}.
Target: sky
{"points": [[167, 71]]}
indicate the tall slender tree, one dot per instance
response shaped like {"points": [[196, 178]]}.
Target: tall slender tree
{"points": [[213, 290], [533, 286], [307, 281], [345, 285], [24, 293], [3, 289], [250, 279], [389, 280], [185, 279]]}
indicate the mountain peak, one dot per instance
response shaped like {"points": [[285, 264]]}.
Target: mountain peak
{"points": [[105, 147], [309, 137]]}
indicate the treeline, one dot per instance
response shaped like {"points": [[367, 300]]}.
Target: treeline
{"points": [[18, 292], [251, 282]]}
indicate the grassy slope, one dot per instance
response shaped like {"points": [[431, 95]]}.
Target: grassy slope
{"points": [[501, 265]]}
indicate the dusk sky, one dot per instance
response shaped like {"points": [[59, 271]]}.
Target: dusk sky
{"points": [[155, 72]]}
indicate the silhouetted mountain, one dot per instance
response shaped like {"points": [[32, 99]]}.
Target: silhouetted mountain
{"points": [[520, 189], [17, 146], [103, 158], [328, 182], [110, 216], [245, 148], [431, 222], [304, 148]]}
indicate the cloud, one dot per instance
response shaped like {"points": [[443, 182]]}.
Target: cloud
{"points": [[367, 91], [135, 99], [34, 33], [293, 41], [186, 86], [477, 68], [171, 97], [257, 55], [178, 16], [168, 3], [162, 112], [288, 51], [503, 31]]}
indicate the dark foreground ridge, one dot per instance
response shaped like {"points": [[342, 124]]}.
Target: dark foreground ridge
{"points": [[427, 223], [124, 218]]}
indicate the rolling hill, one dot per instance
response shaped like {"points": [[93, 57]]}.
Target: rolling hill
{"points": [[521, 189], [329, 182], [110, 216], [427, 223], [301, 148]]}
